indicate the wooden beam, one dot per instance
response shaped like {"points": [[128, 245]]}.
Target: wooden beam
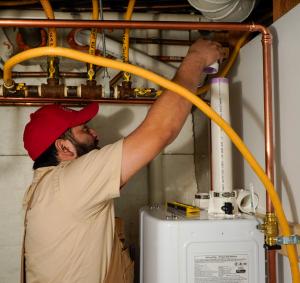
{"points": [[281, 7]]}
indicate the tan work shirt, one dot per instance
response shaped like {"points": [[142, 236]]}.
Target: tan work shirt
{"points": [[70, 224]]}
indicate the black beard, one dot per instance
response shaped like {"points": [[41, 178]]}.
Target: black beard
{"points": [[82, 148]]}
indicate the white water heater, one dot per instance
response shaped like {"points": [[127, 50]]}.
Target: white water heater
{"points": [[199, 249]]}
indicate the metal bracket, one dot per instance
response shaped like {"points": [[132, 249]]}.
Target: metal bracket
{"points": [[291, 240]]}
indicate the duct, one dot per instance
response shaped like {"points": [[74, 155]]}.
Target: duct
{"points": [[224, 10]]}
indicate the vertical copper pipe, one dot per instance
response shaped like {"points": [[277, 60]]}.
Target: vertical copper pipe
{"points": [[268, 128], [268, 115]]}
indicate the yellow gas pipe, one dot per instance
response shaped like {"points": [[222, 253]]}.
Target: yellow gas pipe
{"points": [[209, 112], [50, 15], [93, 38], [125, 49], [51, 34]]}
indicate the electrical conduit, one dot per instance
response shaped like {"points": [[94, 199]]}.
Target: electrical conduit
{"points": [[209, 112]]}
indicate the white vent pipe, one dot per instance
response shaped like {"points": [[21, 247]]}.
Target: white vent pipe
{"points": [[220, 143], [224, 10], [221, 151]]}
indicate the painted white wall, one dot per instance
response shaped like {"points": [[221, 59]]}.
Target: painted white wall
{"points": [[247, 106]]}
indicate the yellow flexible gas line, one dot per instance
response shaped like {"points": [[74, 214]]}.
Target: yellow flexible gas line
{"points": [[229, 64], [50, 15], [95, 14], [51, 35], [93, 37], [209, 112], [125, 49]]}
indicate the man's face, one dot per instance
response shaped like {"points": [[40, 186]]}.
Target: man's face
{"points": [[84, 139]]}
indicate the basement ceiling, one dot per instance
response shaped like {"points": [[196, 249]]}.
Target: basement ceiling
{"points": [[262, 12]]}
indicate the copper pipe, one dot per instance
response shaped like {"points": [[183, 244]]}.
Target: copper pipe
{"points": [[157, 7], [45, 75], [161, 25], [271, 266], [4, 101], [169, 58], [160, 41], [269, 157], [220, 37], [269, 150]]}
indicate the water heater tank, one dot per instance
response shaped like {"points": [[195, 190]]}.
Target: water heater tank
{"points": [[198, 249]]}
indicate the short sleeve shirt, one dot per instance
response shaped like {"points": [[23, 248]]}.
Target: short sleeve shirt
{"points": [[70, 224]]}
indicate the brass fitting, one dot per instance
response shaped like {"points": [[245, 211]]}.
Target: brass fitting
{"points": [[125, 90], [126, 77], [9, 84], [53, 70], [15, 90], [91, 73], [52, 89], [144, 92], [91, 90], [270, 229]]}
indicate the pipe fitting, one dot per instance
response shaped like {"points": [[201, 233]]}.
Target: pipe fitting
{"points": [[52, 89], [125, 90], [270, 229], [91, 90], [9, 84], [145, 92], [290, 240], [53, 67]]}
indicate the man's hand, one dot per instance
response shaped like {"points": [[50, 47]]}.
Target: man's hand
{"points": [[205, 52]]}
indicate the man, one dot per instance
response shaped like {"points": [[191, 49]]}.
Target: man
{"points": [[70, 215]]}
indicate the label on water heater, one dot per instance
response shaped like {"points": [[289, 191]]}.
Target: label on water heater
{"points": [[221, 268]]}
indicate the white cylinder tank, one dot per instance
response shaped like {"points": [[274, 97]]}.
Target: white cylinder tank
{"points": [[180, 249]]}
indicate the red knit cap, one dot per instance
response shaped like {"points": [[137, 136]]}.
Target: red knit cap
{"points": [[49, 122]]}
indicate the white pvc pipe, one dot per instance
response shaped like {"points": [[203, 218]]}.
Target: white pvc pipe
{"points": [[221, 145]]}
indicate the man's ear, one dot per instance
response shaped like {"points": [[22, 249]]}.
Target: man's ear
{"points": [[65, 150]]}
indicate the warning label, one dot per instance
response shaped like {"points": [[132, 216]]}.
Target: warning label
{"points": [[221, 268]]}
